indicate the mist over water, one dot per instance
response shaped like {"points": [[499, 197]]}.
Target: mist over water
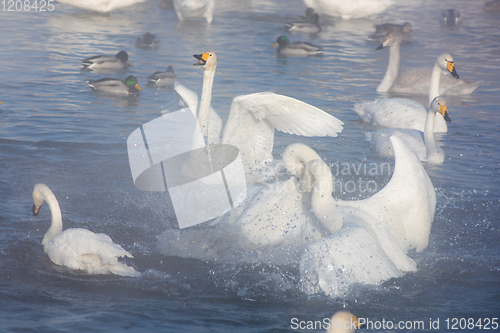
{"points": [[55, 130]]}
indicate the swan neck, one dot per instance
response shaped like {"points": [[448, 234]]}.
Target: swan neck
{"points": [[429, 140], [206, 99], [434, 84], [323, 204], [392, 71], [56, 224]]}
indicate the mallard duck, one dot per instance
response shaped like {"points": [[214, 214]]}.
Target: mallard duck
{"points": [[311, 27], [147, 41], [163, 79], [129, 86], [286, 48], [103, 62], [451, 16], [309, 12]]}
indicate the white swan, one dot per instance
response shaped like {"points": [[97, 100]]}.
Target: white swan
{"points": [[342, 322], [370, 237], [418, 80], [405, 112], [275, 221], [194, 9], [426, 149], [349, 9], [253, 119], [405, 206], [101, 6], [79, 249]]}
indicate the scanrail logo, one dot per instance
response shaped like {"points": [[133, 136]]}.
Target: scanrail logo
{"points": [[204, 181]]}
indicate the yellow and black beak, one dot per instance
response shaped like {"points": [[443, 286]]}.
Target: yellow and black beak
{"points": [[35, 210], [274, 45], [202, 59], [450, 66], [137, 87], [444, 113]]}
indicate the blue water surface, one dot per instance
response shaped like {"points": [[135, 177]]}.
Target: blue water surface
{"points": [[55, 130]]}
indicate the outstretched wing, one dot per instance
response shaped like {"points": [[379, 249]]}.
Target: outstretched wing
{"points": [[253, 118]]}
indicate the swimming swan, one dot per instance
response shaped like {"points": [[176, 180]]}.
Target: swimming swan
{"points": [[349, 9], [405, 112], [194, 9], [101, 6], [253, 118], [79, 248], [405, 206], [419, 80], [426, 149], [369, 238]]}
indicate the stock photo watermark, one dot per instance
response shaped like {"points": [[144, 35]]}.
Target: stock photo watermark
{"points": [[346, 177], [428, 324], [27, 5]]}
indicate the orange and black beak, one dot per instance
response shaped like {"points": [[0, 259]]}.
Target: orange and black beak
{"points": [[444, 113], [202, 59], [35, 210], [450, 66]]}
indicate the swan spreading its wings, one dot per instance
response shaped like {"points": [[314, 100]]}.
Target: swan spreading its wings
{"points": [[253, 119]]}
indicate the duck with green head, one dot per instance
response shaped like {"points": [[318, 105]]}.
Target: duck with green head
{"points": [[129, 86], [286, 48]]}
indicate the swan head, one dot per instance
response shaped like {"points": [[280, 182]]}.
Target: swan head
{"points": [[445, 62], [390, 39], [343, 321], [38, 198], [295, 157], [438, 104], [208, 60], [281, 41]]}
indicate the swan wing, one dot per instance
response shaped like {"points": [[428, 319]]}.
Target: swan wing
{"points": [[253, 118], [407, 203], [88, 251], [383, 146], [397, 113]]}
